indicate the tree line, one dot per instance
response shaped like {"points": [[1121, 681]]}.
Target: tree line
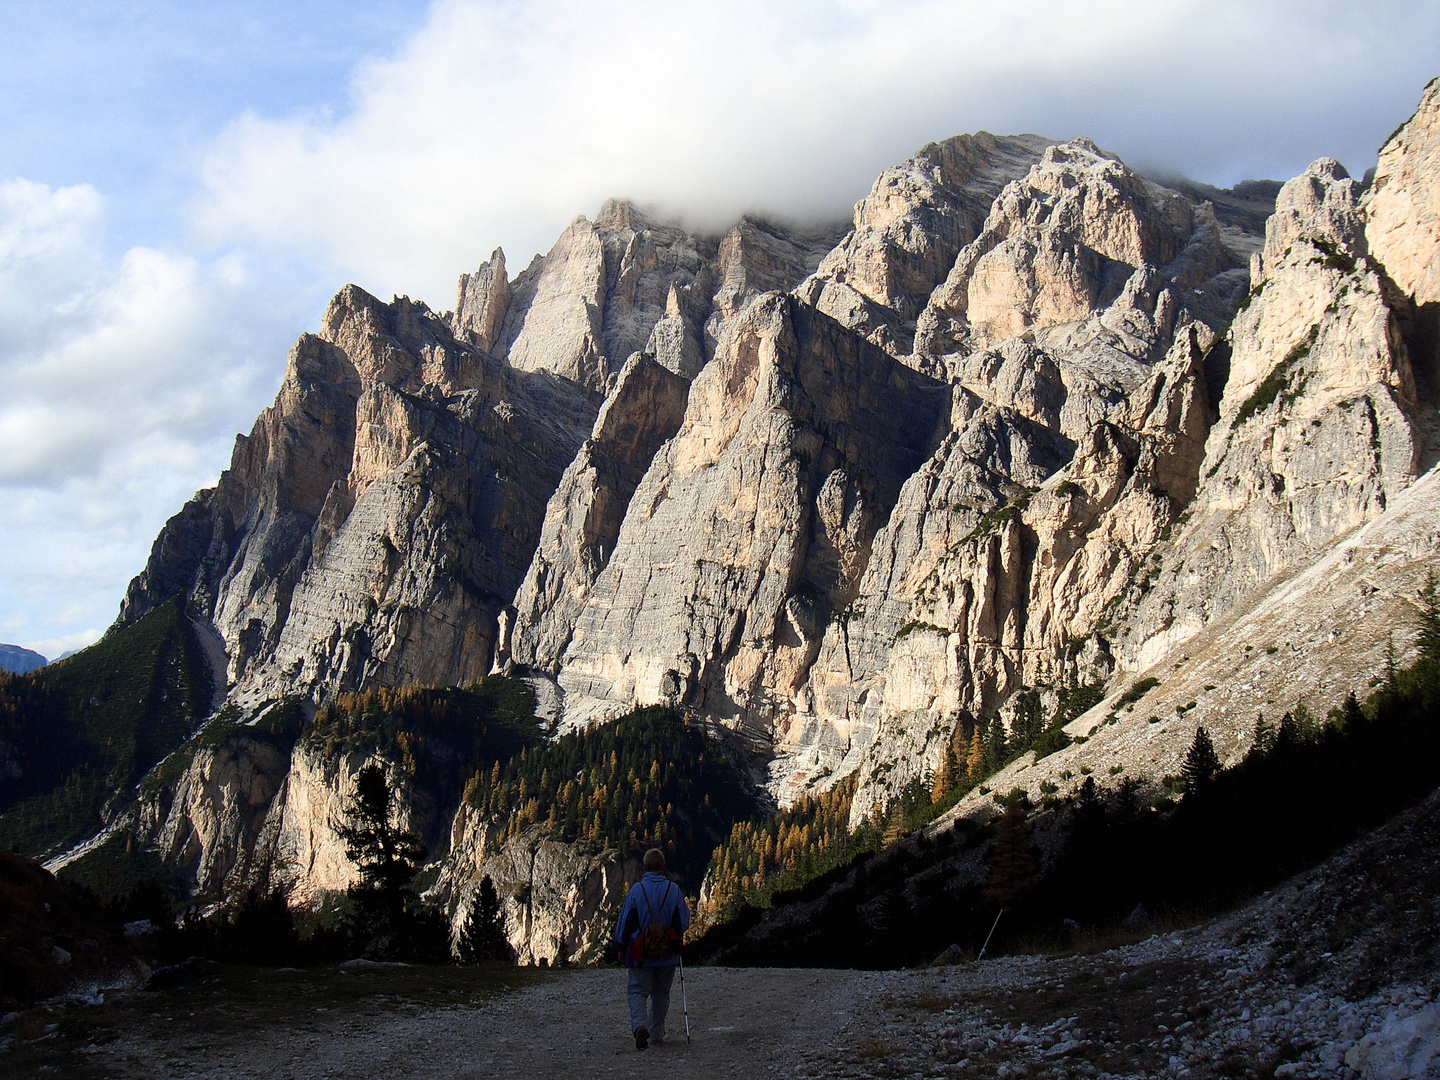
{"points": [[654, 778], [801, 843]]}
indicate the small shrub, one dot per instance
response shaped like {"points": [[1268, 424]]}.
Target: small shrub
{"points": [[915, 624], [1139, 689], [1052, 740]]}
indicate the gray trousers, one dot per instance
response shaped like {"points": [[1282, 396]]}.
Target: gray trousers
{"points": [[652, 983]]}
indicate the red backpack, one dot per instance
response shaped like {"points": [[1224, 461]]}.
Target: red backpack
{"points": [[655, 941]]}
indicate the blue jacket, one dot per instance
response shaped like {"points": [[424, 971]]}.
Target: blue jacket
{"points": [[654, 895]]}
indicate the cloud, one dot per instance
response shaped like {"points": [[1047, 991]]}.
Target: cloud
{"points": [[125, 381], [498, 122]]}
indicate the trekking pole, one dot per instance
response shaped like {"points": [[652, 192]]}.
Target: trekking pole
{"points": [[990, 935], [684, 1007]]}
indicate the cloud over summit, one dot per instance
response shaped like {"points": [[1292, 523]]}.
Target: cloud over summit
{"points": [[499, 122]]}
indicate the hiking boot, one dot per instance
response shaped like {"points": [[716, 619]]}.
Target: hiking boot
{"points": [[642, 1038]]}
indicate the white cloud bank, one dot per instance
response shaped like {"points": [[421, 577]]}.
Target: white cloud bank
{"points": [[498, 122], [123, 383]]}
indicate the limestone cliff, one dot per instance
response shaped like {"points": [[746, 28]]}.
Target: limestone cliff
{"points": [[353, 542], [1317, 428], [1297, 567], [560, 900], [583, 519], [1097, 273], [1019, 600], [908, 230], [753, 526], [1402, 207], [1317, 423], [252, 809]]}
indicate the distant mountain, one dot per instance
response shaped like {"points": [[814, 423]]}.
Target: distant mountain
{"points": [[18, 661]]}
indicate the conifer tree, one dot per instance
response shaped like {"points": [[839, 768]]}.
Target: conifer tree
{"points": [[1029, 721], [1350, 712], [1264, 738], [485, 938], [1201, 763], [975, 755], [388, 858], [997, 746], [1125, 803], [1012, 863], [945, 777], [1428, 640]]}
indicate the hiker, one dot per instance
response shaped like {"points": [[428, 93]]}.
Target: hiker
{"points": [[651, 927]]}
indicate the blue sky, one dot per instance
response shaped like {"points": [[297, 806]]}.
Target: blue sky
{"points": [[128, 96], [182, 186]]}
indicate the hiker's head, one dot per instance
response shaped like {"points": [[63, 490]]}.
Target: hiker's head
{"points": [[654, 861]]}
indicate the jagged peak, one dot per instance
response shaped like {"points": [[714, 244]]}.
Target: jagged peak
{"points": [[1403, 203], [352, 297], [1327, 168], [495, 263], [957, 160], [1081, 152], [619, 214], [481, 302], [1426, 111], [349, 302], [1320, 206]]}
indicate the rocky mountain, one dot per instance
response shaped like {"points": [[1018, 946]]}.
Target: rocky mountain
{"points": [[1033, 422]]}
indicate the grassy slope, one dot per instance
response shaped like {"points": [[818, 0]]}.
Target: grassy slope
{"points": [[94, 723]]}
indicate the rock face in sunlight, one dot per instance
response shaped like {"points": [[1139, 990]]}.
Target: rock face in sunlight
{"points": [[753, 525], [583, 519], [380, 515], [1033, 421], [908, 231], [560, 900]]}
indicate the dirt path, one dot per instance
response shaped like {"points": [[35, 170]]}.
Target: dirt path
{"points": [[556, 1024], [575, 1024]]}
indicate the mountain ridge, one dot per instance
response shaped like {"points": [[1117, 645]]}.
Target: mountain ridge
{"points": [[1034, 422]]}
